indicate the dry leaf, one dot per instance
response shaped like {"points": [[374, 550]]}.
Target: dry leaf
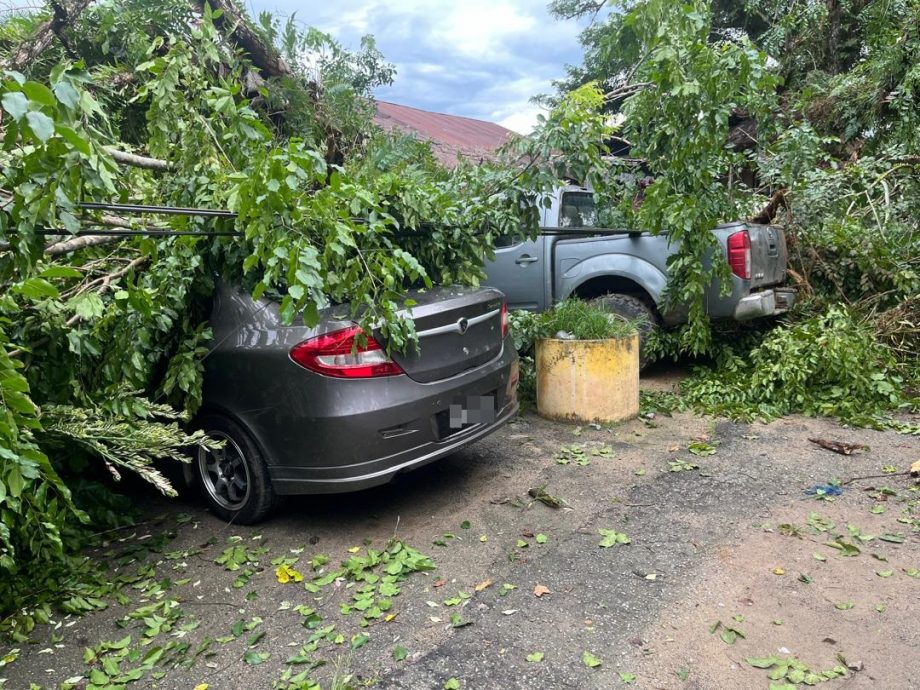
{"points": [[915, 469], [440, 582], [540, 590], [778, 571], [674, 449], [482, 585]]}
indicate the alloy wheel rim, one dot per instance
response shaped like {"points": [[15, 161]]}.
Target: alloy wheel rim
{"points": [[224, 472]]}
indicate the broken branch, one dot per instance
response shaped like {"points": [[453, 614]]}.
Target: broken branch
{"points": [[137, 161], [233, 25], [32, 49]]}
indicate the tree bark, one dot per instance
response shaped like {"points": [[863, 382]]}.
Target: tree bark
{"points": [[63, 17], [768, 212], [136, 161], [81, 242], [236, 27]]}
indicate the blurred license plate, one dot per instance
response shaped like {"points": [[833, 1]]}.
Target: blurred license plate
{"points": [[473, 410]]}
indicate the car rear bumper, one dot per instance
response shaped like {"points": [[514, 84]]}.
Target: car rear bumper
{"points": [[313, 480], [765, 303], [364, 432]]}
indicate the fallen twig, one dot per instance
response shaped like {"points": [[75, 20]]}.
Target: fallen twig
{"points": [[841, 447], [874, 476]]}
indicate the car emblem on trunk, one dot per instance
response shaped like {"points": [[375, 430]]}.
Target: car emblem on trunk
{"points": [[462, 325]]}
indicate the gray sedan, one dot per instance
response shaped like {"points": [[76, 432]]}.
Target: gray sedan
{"points": [[304, 410]]}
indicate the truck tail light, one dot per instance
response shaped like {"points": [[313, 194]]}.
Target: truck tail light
{"points": [[505, 324], [336, 354], [739, 254]]}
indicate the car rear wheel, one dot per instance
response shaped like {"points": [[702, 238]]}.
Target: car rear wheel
{"points": [[233, 479], [634, 310]]}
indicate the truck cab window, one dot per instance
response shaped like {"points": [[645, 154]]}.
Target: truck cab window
{"points": [[577, 210], [505, 241]]}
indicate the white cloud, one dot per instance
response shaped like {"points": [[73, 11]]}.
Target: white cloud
{"points": [[479, 58], [480, 29], [522, 121]]}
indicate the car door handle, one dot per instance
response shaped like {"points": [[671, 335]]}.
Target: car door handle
{"points": [[526, 259]]}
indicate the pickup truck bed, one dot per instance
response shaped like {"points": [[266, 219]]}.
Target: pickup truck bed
{"points": [[571, 257]]}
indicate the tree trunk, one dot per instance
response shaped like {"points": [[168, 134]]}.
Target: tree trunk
{"points": [[768, 212], [63, 17], [235, 26]]}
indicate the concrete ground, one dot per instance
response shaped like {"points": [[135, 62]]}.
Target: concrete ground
{"points": [[725, 562]]}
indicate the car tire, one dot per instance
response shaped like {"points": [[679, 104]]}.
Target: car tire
{"points": [[233, 480], [632, 309]]}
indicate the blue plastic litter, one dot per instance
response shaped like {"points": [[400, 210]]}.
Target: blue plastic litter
{"points": [[824, 490]]}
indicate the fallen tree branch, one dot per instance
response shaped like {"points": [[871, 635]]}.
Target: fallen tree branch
{"points": [[236, 27], [104, 284], [768, 212], [626, 91], [82, 242], [137, 161], [32, 49], [64, 245]]}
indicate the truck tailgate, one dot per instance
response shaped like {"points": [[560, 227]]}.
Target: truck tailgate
{"points": [[768, 255]]}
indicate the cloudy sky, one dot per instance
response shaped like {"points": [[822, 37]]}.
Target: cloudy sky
{"points": [[478, 58]]}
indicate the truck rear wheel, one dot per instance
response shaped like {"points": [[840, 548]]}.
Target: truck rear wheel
{"points": [[634, 310]]}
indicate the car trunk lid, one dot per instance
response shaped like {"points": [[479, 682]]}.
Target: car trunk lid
{"points": [[459, 329]]}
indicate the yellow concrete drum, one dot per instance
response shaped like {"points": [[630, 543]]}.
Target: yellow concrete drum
{"points": [[588, 380]]}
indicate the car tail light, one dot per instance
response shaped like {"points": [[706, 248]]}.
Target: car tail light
{"points": [[505, 326], [739, 254], [341, 355]]}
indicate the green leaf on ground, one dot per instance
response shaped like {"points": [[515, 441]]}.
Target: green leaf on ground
{"points": [[457, 621], [400, 653], [591, 661], [612, 538], [818, 523], [627, 678], [731, 635], [535, 658], [701, 448], [254, 658], [844, 547], [762, 662], [892, 538]]}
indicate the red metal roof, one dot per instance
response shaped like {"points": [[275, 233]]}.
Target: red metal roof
{"points": [[449, 134]]}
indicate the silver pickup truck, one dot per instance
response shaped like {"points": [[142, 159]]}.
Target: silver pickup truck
{"points": [[627, 271]]}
